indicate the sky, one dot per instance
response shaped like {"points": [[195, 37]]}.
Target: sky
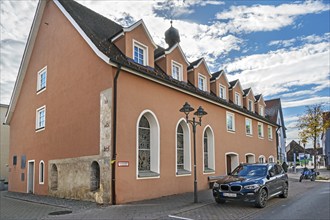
{"points": [[279, 48]]}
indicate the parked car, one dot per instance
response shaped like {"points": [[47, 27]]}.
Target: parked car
{"points": [[252, 183]]}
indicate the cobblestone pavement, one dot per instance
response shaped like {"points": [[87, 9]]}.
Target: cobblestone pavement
{"points": [[169, 207]]}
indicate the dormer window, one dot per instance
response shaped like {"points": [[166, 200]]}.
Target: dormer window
{"points": [[176, 71], [222, 92], [237, 99], [202, 82], [140, 54], [250, 105], [261, 110]]}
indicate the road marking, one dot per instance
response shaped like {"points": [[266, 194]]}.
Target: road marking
{"points": [[178, 217]]}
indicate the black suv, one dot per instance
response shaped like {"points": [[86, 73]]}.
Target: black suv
{"points": [[252, 183]]}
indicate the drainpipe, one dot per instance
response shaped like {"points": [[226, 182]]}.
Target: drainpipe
{"points": [[278, 143], [114, 125]]}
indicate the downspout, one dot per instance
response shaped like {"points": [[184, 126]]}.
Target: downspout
{"points": [[277, 143], [114, 125]]}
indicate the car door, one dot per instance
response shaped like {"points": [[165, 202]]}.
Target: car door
{"points": [[272, 181], [280, 176]]}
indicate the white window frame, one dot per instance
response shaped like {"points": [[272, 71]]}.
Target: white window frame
{"points": [[223, 88], [251, 132], [270, 132], [238, 99], [261, 135], [38, 111], [228, 114], [187, 148], [261, 110], [154, 144], [203, 79], [250, 102], [176, 64], [263, 157], [41, 173], [39, 86], [210, 147], [144, 48], [271, 157]]}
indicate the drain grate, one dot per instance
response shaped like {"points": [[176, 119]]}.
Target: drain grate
{"points": [[60, 212]]}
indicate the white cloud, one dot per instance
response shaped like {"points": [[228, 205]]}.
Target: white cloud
{"points": [[283, 43], [325, 100], [266, 17], [278, 71]]}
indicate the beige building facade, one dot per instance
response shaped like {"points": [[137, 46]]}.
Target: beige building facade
{"points": [[95, 113]]}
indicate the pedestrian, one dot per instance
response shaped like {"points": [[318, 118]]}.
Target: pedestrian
{"points": [[285, 167]]}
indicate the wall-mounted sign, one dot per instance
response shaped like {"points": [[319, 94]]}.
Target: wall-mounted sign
{"points": [[123, 164]]}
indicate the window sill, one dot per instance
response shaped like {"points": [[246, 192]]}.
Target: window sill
{"points": [[260, 137], [41, 90], [40, 129], [147, 174], [208, 170], [183, 172], [231, 131], [249, 135]]}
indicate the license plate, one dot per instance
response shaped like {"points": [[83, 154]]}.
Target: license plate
{"points": [[230, 194]]}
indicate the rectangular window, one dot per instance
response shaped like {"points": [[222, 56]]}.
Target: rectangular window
{"points": [[260, 130], [248, 126], [23, 162], [230, 121], [15, 160], [176, 71], [270, 133], [261, 110], [202, 82], [250, 105], [42, 79], [237, 99], [140, 53], [41, 118], [222, 92]]}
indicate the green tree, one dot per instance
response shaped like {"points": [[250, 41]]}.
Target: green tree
{"points": [[311, 125]]}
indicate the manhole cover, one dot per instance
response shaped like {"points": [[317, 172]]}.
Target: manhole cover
{"points": [[60, 212]]}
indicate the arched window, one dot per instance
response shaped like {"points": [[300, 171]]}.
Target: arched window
{"points": [[41, 172], [271, 159], [262, 159], [208, 146], [148, 145], [95, 176], [54, 177], [183, 164]]}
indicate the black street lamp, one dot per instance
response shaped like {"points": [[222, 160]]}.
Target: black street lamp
{"points": [[199, 113]]}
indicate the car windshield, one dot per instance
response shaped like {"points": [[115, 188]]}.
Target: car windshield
{"points": [[250, 170]]}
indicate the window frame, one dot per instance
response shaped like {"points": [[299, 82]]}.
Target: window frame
{"points": [[38, 111], [42, 172], [261, 135], [250, 107], [238, 99], [224, 89], [211, 150], [180, 67], [261, 111], [154, 146], [233, 121], [203, 79], [41, 88], [186, 171], [270, 132], [144, 48], [251, 128]]}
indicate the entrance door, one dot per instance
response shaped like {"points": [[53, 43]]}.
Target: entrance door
{"points": [[228, 159], [30, 180]]}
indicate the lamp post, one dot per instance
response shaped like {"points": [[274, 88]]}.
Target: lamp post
{"points": [[186, 109]]}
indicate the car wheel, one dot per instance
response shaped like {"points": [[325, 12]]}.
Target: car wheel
{"points": [[285, 191], [220, 201], [313, 178], [261, 199]]}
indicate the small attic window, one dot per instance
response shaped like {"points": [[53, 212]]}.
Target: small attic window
{"points": [[140, 53], [177, 70]]}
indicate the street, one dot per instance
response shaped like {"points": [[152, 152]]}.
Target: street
{"points": [[307, 200]]}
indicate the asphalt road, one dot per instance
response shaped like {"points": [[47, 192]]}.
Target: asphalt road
{"points": [[312, 204]]}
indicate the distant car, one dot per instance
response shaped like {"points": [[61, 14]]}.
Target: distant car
{"points": [[252, 183]]}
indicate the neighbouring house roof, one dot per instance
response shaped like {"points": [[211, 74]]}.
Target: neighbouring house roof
{"points": [[273, 108], [99, 30]]}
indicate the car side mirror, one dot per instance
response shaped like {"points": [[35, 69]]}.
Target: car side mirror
{"points": [[268, 176]]}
